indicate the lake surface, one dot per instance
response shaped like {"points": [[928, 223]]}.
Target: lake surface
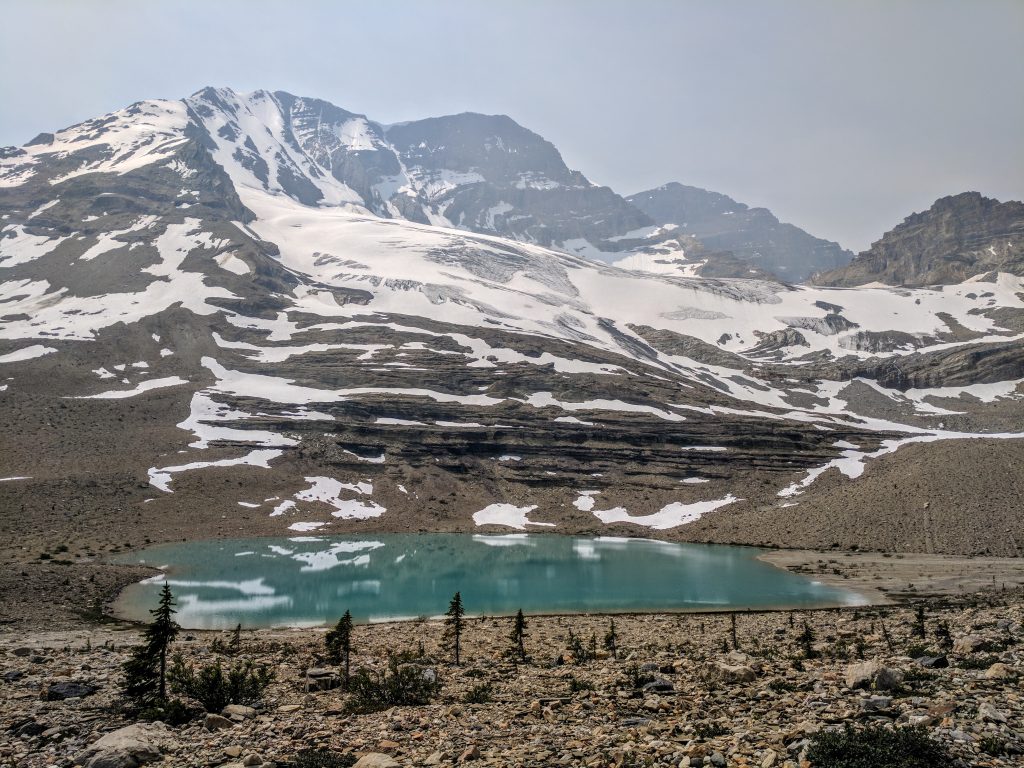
{"points": [[312, 580]]}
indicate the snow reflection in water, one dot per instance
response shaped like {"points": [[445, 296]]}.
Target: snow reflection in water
{"points": [[311, 580]]}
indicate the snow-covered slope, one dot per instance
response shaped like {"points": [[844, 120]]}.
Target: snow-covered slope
{"points": [[230, 282]]}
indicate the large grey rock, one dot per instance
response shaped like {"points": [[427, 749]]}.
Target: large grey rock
{"points": [[127, 747], [871, 674], [321, 679], [968, 644], [734, 673], [238, 712], [214, 722], [69, 690]]}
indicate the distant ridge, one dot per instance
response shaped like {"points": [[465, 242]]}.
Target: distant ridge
{"points": [[959, 237]]}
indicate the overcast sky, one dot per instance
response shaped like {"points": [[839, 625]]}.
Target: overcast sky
{"points": [[842, 117]]}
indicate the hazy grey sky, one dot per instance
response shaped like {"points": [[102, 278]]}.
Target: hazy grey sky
{"points": [[841, 116]]}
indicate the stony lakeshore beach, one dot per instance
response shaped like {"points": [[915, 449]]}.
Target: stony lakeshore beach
{"points": [[679, 693]]}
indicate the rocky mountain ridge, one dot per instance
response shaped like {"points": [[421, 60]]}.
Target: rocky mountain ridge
{"points": [[203, 316], [959, 237], [754, 236]]}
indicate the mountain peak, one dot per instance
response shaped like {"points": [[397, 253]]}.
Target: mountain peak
{"points": [[957, 237], [754, 236]]}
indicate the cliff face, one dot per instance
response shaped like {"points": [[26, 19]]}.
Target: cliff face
{"points": [[957, 238]]}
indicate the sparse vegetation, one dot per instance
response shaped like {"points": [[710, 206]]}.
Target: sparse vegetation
{"points": [[145, 673], [611, 640], [397, 685], [479, 694], [339, 644], [214, 688], [874, 746], [454, 625], [322, 758], [518, 636]]}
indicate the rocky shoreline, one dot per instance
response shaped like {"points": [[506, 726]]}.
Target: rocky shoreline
{"points": [[679, 694]]}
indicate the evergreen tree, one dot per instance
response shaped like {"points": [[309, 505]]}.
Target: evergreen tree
{"points": [[806, 640], [453, 625], [518, 635], [919, 625], [611, 640], [235, 644], [339, 642], [146, 670]]}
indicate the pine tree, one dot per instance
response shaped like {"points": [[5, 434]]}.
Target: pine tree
{"points": [[146, 670], [806, 640], [919, 625], [611, 640], [235, 643], [518, 635], [339, 642], [453, 625]]}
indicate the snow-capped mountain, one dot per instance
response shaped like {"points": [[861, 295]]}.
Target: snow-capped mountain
{"points": [[261, 306]]}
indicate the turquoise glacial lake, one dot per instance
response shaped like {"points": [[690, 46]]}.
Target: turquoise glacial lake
{"points": [[312, 580]]}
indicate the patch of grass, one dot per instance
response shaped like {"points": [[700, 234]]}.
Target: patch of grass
{"points": [[875, 746]]}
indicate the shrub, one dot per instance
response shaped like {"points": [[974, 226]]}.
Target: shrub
{"points": [[977, 662], [244, 683], [578, 686], [875, 746], [170, 712], [322, 758], [635, 678], [396, 686], [479, 694], [706, 731]]}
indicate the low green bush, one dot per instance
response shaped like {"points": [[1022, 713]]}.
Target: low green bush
{"points": [[322, 758], [211, 686], [876, 746], [479, 694], [397, 686]]}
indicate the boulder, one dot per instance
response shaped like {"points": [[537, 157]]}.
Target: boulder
{"points": [[989, 714], [376, 760], [217, 723], [968, 644], [321, 679], [68, 690], [734, 673], [997, 671], [659, 685], [932, 662], [873, 704], [127, 747], [238, 712], [871, 674]]}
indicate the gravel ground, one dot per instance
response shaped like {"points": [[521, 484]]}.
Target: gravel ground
{"points": [[753, 706]]}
